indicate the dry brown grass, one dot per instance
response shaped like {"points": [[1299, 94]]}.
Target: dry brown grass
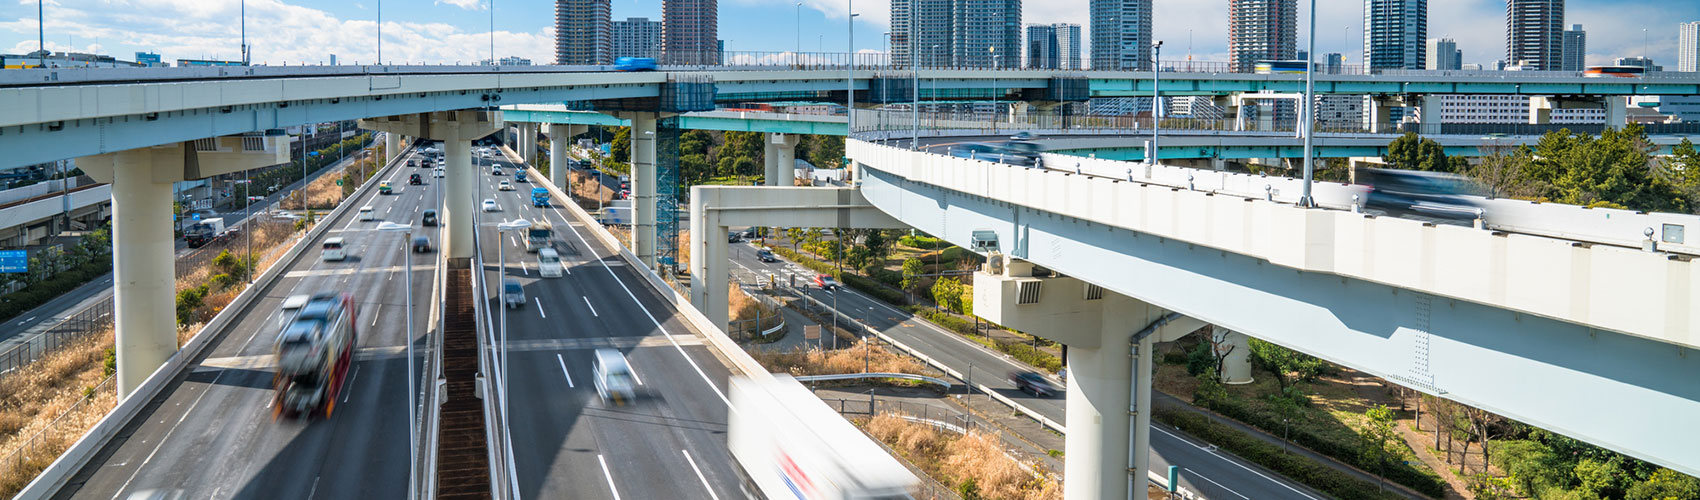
{"points": [[36, 401], [586, 189], [813, 361], [952, 459], [744, 307]]}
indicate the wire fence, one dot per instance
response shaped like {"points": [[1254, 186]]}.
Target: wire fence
{"points": [[92, 320]]}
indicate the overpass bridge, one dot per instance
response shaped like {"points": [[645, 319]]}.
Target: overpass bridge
{"points": [[1328, 282]]}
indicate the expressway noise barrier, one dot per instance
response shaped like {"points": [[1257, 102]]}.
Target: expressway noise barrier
{"points": [[463, 463], [887, 89]]}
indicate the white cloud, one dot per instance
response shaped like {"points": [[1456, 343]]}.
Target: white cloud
{"points": [[464, 4], [279, 33]]}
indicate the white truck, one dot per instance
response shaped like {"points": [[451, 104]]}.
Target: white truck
{"points": [[203, 232], [793, 446]]}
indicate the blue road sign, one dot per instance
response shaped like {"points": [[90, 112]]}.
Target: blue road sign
{"points": [[195, 217], [14, 261]]}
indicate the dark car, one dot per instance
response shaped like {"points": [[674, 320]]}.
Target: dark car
{"points": [[415, 180], [1032, 383], [734, 236], [1403, 193], [766, 255], [428, 218], [421, 244]]}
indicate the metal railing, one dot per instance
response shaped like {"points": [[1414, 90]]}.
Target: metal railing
{"points": [[942, 383], [502, 478], [431, 387], [35, 442], [80, 325]]}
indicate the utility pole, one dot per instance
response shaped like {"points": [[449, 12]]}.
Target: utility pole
{"points": [[1156, 98], [850, 80], [1308, 108]]}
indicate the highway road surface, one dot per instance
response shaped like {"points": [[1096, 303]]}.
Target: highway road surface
{"points": [[211, 433], [568, 443], [1208, 471]]}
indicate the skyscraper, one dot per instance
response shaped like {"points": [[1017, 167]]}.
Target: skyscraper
{"points": [[1121, 34], [1533, 34], [1042, 50], [1443, 54], [1643, 62], [583, 34], [1394, 33], [967, 33], [1068, 45], [1259, 30], [1575, 49], [637, 37], [690, 31], [1688, 46]]}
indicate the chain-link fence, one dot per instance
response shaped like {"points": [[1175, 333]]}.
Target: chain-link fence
{"points": [[92, 320], [49, 441]]}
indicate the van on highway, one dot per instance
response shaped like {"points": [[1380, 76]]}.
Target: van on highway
{"points": [[367, 214], [548, 263], [333, 250], [613, 377]]}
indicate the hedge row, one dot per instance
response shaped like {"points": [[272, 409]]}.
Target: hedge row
{"points": [[809, 262], [1345, 452], [873, 288], [921, 242], [1306, 471], [30, 297]]}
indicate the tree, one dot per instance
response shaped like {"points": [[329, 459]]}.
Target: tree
{"points": [[828, 153], [694, 168], [621, 148], [1501, 171], [1378, 436], [1665, 484], [947, 293], [1284, 362], [795, 234], [1412, 152], [1614, 169], [912, 267]]}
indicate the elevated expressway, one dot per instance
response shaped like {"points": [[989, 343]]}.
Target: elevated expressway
{"points": [[1583, 332]]}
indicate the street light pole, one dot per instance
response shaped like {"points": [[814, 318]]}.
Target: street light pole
{"points": [[915, 86], [41, 32], [1156, 99], [850, 76], [1308, 107], [412, 391], [799, 55]]}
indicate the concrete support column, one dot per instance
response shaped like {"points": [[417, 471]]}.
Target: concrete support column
{"points": [[560, 141], [1430, 105], [1218, 164], [143, 274], [643, 185], [1617, 111], [1540, 110], [529, 142], [770, 162], [1380, 115], [708, 272], [1236, 366], [392, 147], [1097, 413], [460, 206], [785, 145]]}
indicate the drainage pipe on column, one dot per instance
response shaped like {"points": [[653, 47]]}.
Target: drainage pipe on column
{"points": [[1139, 407]]}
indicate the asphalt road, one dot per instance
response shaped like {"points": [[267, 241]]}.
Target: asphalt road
{"points": [[568, 443], [211, 433], [1205, 470]]}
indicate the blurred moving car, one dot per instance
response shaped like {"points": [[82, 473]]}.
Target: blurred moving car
{"points": [[1419, 193], [613, 376], [504, 186], [634, 64], [826, 282], [1032, 383], [490, 205], [766, 255], [1020, 153], [428, 218], [513, 295], [421, 244]]}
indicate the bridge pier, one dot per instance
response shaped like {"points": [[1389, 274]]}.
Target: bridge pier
{"points": [[392, 147], [1236, 366], [643, 184], [457, 130], [560, 142], [1429, 105], [715, 209], [1381, 114], [782, 159], [144, 278], [1110, 341]]}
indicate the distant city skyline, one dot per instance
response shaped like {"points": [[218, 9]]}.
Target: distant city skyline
{"points": [[446, 31]]}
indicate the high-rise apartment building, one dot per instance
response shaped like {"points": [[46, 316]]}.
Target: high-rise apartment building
{"points": [[964, 33], [1575, 49], [1642, 62], [690, 31], [1260, 30], [1336, 63], [1121, 34], [1042, 50], [1534, 34], [1443, 54], [583, 34], [1394, 33], [637, 37], [1053, 46], [1688, 46], [1068, 46]]}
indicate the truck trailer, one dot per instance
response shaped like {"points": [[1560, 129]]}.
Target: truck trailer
{"points": [[793, 446], [314, 354]]}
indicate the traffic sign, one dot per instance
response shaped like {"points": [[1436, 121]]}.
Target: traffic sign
{"points": [[14, 261], [195, 217], [339, 182]]}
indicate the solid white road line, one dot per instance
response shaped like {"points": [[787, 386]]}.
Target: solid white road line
{"points": [[564, 369], [350, 383], [539, 307], [592, 308], [1226, 459], [1193, 473], [611, 488], [705, 485], [168, 434]]}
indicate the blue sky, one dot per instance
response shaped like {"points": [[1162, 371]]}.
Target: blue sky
{"points": [[446, 31]]}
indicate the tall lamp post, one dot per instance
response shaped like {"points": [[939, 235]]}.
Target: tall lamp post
{"points": [[501, 282], [412, 392], [850, 79], [1308, 108], [247, 222], [994, 50], [799, 33], [1156, 98]]}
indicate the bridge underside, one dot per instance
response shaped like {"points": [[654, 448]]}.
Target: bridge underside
{"points": [[1621, 392]]}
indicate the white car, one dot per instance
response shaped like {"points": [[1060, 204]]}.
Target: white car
{"points": [[438, 172], [504, 186], [490, 205]]}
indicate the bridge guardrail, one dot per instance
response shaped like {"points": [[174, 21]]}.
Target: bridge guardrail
{"points": [[46, 484], [432, 389], [502, 482], [857, 376]]}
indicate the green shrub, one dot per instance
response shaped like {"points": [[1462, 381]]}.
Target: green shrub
{"points": [[810, 262], [921, 242], [110, 365], [873, 288], [188, 301]]}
